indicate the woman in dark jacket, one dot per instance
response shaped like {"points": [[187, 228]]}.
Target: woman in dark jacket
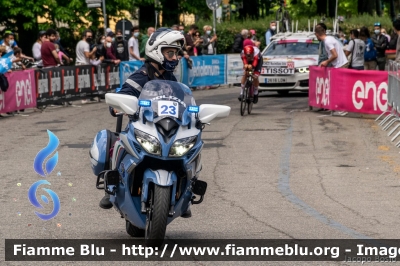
{"points": [[209, 43]]}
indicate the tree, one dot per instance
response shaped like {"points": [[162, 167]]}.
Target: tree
{"points": [[331, 8], [366, 6], [170, 12], [250, 9], [378, 7], [322, 7], [21, 17]]}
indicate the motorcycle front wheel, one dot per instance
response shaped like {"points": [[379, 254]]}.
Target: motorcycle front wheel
{"points": [[157, 215]]}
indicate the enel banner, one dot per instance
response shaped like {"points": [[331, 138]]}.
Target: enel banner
{"points": [[340, 89]]}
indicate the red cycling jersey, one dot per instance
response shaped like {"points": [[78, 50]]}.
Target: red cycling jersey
{"points": [[257, 60]]}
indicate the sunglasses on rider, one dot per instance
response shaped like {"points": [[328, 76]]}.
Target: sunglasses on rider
{"points": [[171, 54]]}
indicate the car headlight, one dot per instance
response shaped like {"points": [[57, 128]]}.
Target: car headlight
{"points": [[182, 146], [148, 142], [302, 70]]}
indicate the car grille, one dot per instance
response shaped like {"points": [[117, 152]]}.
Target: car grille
{"points": [[304, 83]]}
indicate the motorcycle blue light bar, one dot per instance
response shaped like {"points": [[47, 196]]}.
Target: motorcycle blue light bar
{"points": [[193, 109], [144, 103]]}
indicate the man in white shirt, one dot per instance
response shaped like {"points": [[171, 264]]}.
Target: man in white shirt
{"points": [[83, 53], [335, 51], [133, 45]]}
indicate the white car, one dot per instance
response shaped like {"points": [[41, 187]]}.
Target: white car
{"points": [[286, 62]]}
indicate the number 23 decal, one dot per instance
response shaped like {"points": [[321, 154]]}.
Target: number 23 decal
{"points": [[169, 108], [165, 108]]}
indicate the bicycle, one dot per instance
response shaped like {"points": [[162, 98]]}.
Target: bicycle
{"points": [[248, 95]]}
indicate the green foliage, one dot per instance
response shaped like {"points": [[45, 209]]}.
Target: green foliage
{"points": [[226, 31], [74, 13], [21, 17]]}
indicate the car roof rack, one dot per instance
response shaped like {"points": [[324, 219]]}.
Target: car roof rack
{"points": [[303, 34]]}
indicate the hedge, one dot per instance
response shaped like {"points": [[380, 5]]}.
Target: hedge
{"points": [[227, 30]]}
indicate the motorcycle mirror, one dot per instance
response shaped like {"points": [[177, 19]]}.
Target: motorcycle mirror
{"points": [[209, 112], [126, 103], [186, 117], [148, 115]]}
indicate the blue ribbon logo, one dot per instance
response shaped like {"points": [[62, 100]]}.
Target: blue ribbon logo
{"points": [[35, 202], [44, 170]]}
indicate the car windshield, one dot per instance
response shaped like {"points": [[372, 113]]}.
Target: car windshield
{"points": [[290, 49], [168, 98]]}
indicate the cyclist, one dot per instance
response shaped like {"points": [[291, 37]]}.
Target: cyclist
{"points": [[252, 60]]}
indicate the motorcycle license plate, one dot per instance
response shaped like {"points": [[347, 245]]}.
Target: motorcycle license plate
{"points": [[169, 108], [275, 80]]}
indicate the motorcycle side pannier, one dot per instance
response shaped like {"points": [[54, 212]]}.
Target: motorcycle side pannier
{"points": [[100, 150]]}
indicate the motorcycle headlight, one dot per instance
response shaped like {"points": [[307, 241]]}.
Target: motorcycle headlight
{"points": [[182, 146], [148, 142]]}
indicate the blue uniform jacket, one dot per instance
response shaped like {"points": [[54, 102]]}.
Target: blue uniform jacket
{"points": [[135, 82]]}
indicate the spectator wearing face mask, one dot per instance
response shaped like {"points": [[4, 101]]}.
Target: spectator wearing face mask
{"points": [[8, 42], [133, 45], [380, 43], [120, 46], [209, 43], [83, 51], [14, 43], [106, 54], [270, 32]]}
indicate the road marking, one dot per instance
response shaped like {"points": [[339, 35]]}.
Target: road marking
{"points": [[285, 190]]}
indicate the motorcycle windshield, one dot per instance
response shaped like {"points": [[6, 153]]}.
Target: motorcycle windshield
{"points": [[168, 98]]}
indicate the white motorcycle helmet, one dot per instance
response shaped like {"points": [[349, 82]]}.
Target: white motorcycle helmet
{"points": [[163, 38]]}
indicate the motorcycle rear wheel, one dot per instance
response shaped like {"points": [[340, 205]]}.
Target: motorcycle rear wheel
{"points": [[157, 215], [133, 230]]}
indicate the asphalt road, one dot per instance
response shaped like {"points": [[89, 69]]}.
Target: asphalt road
{"points": [[283, 172]]}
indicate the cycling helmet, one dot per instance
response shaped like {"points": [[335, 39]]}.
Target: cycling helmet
{"points": [[163, 38], [248, 50]]}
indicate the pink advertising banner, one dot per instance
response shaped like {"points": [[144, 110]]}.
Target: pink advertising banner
{"points": [[340, 89], [21, 93]]}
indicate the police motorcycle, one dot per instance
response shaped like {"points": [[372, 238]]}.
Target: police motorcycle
{"points": [[151, 169]]}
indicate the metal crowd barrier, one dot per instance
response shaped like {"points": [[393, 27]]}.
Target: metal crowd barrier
{"points": [[393, 103]]}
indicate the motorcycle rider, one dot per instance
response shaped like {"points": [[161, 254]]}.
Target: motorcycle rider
{"points": [[252, 60], [162, 57]]}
